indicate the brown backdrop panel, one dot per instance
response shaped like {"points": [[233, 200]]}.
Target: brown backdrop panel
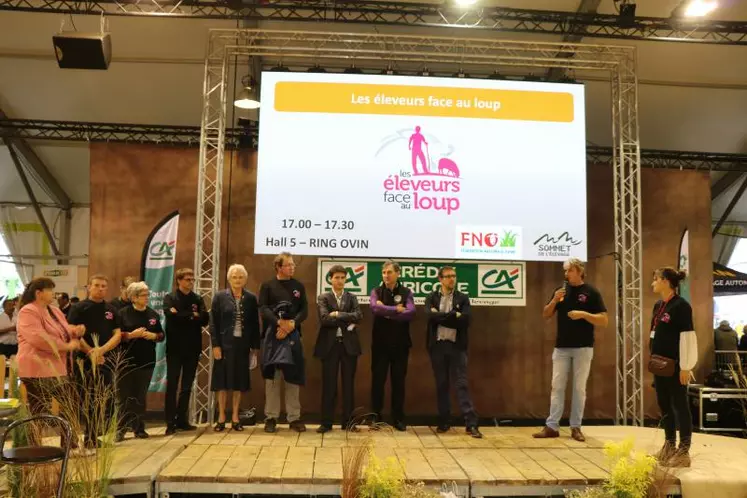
{"points": [[133, 187]]}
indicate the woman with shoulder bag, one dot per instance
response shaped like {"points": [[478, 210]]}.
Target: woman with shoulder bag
{"points": [[674, 352]]}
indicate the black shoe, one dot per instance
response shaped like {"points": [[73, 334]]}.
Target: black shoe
{"points": [[141, 434], [119, 437], [185, 426], [324, 428], [271, 425], [400, 426], [474, 432], [170, 430], [298, 426], [443, 428], [220, 427], [236, 426]]}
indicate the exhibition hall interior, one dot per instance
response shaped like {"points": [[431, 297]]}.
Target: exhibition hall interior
{"points": [[358, 249]]}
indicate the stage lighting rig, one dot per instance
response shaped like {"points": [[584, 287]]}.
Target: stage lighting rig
{"points": [[626, 13], [247, 98]]}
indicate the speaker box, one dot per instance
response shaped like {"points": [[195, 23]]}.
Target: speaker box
{"points": [[75, 50]]}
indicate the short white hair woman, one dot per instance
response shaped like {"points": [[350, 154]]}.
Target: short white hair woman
{"points": [[141, 330], [234, 332]]}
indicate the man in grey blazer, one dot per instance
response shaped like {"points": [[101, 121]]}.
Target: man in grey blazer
{"points": [[338, 346]]}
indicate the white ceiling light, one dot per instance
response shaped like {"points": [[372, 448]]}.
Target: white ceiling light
{"points": [[465, 3], [247, 98], [700, 8]]}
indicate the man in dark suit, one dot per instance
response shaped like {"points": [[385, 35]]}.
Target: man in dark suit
{"points": [[338, 346], [448, 312]]}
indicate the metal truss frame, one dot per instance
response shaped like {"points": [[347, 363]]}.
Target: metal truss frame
{"points": [[189, 136], [316, 47], [443, 14]]}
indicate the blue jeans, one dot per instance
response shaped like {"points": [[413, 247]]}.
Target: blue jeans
{"points": [[563, 360]]}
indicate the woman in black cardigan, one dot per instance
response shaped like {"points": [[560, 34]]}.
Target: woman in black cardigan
{"points": [[673, 337], [234, 331]]}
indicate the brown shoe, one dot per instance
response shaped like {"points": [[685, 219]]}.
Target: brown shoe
{"points": [[577, 434], [298, 426], [665, 453], [680, 459], [546, 432]]}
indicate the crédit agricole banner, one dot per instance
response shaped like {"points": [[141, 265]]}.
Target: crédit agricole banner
{"points": [[399, 166]]}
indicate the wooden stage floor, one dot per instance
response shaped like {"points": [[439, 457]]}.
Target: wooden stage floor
{"points": [[507, 462]]}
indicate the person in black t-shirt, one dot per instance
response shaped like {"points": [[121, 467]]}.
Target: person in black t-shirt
{"points": [[122, 301], [579, 308], [186, 314], [63, 301], [141, 329], [673, 336], [393, 308], [283, 306], [101, 337]]}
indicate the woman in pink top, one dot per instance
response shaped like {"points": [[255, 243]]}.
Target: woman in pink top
{"points": [[45, 341]]}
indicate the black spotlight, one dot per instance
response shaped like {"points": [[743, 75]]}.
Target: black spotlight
{"points": [[353, 70], [626, 16], [389, 71], [460, 74], [495, 75], [316, 68], [425, 72], [280, 68]]}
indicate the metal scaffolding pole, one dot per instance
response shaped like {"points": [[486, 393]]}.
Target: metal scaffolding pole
{"points": [[411, 14], [619, 63], [189, 136]]}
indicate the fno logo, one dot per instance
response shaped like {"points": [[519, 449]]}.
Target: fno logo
{"points": [[494, 241]]}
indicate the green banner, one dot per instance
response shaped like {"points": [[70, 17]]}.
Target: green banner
{"points": [[684, 264], [487, 283], [159, 256]]}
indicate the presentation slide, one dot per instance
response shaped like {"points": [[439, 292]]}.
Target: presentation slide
{"points": [[418, 167]]}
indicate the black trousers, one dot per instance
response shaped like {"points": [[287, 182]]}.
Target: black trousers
{"points": [[8, 350], [133, 390], [42, 390], [450, 364], [184, 364], [338, 361], [383, 361], [672, 398]]}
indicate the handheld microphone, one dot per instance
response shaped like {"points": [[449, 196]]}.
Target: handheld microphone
{"points": [[566, 288]]}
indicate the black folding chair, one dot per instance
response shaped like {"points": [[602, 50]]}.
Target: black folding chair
{"points": [[38, 455]]}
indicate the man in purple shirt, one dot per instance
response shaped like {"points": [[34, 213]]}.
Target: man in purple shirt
{"points": [[393, 308]]}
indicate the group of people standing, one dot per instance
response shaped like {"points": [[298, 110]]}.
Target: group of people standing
{"points": [[283, 307], [93, 329], [60, 347]]}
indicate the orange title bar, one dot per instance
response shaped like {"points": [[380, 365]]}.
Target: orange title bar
{"points": [[403, 100]]}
